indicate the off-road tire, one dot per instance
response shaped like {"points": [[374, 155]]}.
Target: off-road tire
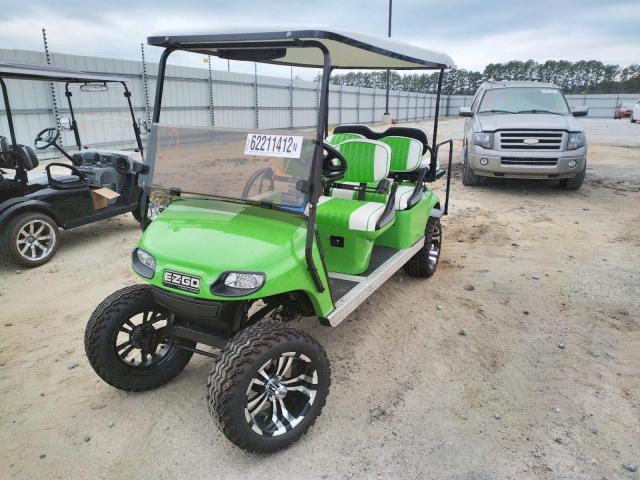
{"points": [[420, 266], [574, 183], [469, 179], [99, 339], [9, 234], [239, 362]]}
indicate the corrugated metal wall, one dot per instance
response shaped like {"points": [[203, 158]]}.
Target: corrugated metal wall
{"points": [[229, 100]]}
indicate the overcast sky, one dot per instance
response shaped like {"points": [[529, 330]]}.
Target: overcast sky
{"points": [[473, 33]]}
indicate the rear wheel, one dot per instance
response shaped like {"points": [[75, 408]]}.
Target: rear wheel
{"points": [[127, 344], [31, 238], [268, 386], [469, 178], [424, 263]]}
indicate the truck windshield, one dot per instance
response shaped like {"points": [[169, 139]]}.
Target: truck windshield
{"points": [[268, 167], [524, 100]]}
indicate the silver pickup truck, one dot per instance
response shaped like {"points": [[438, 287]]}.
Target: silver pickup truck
{"points": [[518, 129]]}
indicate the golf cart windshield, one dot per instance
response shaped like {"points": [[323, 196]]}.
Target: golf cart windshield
{"points": [[269, 167]]}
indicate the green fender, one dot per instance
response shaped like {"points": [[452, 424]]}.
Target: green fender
{"points": [[205, 238]]}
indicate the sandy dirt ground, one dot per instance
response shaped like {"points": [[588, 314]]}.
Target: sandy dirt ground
{"points": [[519, 359]]}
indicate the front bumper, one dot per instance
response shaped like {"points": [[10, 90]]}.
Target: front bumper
{"points": [[534, 165], [210, 314]]}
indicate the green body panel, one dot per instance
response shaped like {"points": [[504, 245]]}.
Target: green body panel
{"points": [[205, 238], [353, 257], [399, 152], [409, 225]]}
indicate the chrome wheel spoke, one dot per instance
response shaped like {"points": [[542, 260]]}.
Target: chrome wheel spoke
{"points": [[257, 404], [276, 404]]}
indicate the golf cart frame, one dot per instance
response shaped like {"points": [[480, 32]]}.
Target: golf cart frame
{"points": [[62, 201], [262, 47], [245, 251]]}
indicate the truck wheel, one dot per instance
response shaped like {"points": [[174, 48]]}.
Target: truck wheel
{"points": [[469, 178], [574, 183], [31, 238], [268, 386], [424, 263], [126, 342]]}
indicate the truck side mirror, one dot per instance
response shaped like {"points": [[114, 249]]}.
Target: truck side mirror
{"points": [[580, 111], [465, 112]]}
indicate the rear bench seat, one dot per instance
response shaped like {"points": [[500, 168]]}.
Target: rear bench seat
{"points": [[406, 156]]}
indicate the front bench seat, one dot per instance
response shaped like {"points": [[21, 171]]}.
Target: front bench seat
{"points": [[348, 227]]}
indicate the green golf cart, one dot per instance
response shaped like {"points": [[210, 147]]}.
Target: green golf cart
{"points": [[250, 229]]}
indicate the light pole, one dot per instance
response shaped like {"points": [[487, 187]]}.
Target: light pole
{"points": [[387, 117]]}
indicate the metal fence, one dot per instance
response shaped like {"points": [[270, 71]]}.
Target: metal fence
{"points": [[202, 96]]}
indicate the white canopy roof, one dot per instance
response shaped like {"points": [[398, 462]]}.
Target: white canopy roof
{"points": [[349, 50], [37, 71]]}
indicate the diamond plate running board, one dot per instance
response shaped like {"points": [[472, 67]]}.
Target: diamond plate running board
{"points": [[367, 285]]}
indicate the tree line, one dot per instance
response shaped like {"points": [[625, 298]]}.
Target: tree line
{"points": [[584, 76]]}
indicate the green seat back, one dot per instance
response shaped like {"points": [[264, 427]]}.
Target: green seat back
{"points": [[406, 153], [367, 160], [337, 138]]}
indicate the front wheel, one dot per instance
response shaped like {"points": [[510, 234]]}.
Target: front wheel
{"points": [[268, 386], [469, 179], [424, 263], [31, 238], [576, 182], [127, 344]]}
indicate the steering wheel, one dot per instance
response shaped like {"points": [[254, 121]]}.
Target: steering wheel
{"points": [[46, 138], [330, 170]]}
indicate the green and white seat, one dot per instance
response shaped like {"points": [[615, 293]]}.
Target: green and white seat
{"points": [[338, 138], [348, 227], [406, 156]]}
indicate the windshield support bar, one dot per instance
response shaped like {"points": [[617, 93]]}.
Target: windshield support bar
{"points": [[74, 124], [316, 173], [434, 140], [7, 107]]}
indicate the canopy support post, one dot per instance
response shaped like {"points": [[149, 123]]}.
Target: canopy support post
{"points": [[434, 140]]}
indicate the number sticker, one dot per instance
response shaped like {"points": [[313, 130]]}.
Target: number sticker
{"points": [[289, 146]]}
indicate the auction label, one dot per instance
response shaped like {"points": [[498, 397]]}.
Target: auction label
{"points": [[265, 145]]}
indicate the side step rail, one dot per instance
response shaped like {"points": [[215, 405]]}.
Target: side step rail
{"points": [[369, 284]]}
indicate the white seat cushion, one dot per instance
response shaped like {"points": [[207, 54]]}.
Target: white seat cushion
{"points": [[352, 214]]}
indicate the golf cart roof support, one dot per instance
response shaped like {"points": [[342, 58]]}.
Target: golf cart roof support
{"points": [[7, 107], [74, 124], [434, 140]]}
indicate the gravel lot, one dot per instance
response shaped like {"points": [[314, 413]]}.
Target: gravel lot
{"points": [[519, 359]]}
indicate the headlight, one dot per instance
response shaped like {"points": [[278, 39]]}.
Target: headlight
{"points": [[235, 284], [158, 201], [143, 263], [483, 139], [576, 140]]}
